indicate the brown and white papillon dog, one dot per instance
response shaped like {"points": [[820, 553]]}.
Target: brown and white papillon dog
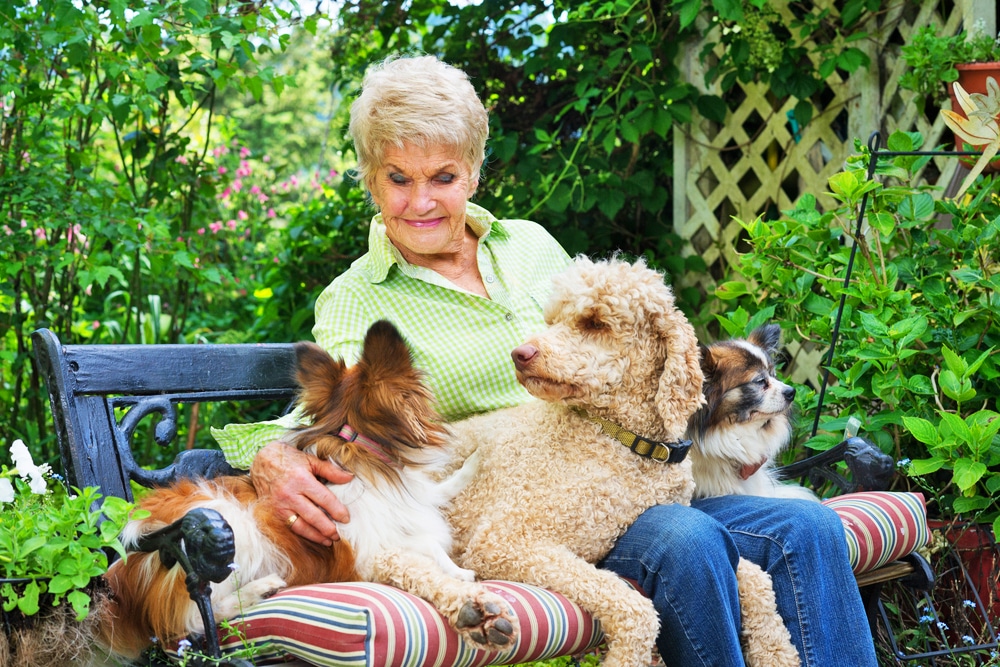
{"points": [[745, 421], [374, 419]]}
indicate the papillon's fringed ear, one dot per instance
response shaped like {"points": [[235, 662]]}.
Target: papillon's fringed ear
{"points": [[767, 337], [708, 365], [318, 375], [385, 352]]}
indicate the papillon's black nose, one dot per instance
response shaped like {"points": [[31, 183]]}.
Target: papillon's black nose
{"points": [[789, 394]]}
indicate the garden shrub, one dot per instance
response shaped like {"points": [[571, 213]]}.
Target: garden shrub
{"points": [[917, 354]]}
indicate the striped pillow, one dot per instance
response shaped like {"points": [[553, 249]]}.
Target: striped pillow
{"points": [[371, 624], [379, 626], [881, 526]]}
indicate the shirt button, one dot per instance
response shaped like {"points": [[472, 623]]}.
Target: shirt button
{"points": [[489, 279], [509, 316]]}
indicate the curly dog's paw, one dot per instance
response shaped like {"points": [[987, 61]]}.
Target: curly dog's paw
{"points": [[487, 621]]}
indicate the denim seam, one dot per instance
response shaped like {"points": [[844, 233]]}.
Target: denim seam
{"points": [[793, 578]]}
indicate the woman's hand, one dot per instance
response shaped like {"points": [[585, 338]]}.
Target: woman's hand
{"points": [[291, 480]]}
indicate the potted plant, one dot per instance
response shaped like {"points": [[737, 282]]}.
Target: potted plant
{"points": [[54, 547], [937, 63]]}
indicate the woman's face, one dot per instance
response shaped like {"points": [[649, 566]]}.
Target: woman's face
{"points": [[422, 193]]}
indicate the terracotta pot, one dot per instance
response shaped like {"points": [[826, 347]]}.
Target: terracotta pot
{"points": [[974, 545], [972, 77]]}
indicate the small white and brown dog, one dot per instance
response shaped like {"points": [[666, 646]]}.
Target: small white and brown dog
{"points": [[745, 421], [376, 419]]}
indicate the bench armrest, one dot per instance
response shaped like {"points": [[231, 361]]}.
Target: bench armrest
{"points": [[870, 469]]}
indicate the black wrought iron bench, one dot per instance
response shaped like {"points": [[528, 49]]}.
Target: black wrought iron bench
{"points": [[100, 393]]}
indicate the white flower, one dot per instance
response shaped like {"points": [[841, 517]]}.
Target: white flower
{"points": [[21, 457], [6, 491], [37, 483], [26, 468]]}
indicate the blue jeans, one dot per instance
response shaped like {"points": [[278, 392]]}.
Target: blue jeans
{"points": [[685, 559]]}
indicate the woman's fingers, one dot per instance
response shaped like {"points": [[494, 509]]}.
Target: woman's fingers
{"points": [[288, 478]]}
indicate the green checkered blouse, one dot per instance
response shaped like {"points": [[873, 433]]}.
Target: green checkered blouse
{"points": [[461, 341]]}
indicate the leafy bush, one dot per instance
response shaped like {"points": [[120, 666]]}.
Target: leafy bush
{"points": [[917, 355]]}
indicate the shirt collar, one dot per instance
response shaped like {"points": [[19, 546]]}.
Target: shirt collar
{"points": [[382, 254]]}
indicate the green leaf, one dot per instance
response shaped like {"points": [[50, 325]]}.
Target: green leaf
{"points": [[730, 290], [963, 505], [921, 467], [958, 426], [80, 602], [954, 362], [712, 108], [922, 430], [874, 326], [967, 473], [919, 206], [28, 602]]}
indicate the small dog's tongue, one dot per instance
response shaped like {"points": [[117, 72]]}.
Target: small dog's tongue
{"points": [[749, 469]]}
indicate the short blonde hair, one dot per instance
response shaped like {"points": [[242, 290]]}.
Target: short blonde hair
{"points": [[420, 100]]}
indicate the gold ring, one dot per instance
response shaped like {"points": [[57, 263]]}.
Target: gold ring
{"points": [[292, 519]]}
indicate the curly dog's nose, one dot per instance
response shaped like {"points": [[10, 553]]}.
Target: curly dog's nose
{"points": [[522, 355]]}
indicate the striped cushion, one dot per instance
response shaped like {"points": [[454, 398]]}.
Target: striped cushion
{"points": [[380, 626], [370, 624], [881, 526]]}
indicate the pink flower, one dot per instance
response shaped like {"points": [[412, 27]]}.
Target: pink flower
{"points": [[225, 193], [7, 230], [39, 233], [244, 152], [232, 223], [73, 232], [242, 215], [271, 213], [219, 150], [181, 159], [237, 185], [95, 325], [275, 260], [222, 170], [215, 226], [262, 198], [267, 158], [255, 190], [201, 231]]}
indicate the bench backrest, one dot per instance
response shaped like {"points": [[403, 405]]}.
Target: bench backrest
{"points": [[88, 383]]}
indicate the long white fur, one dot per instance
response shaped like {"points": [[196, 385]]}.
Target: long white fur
{"points": [[729, 444], [405, 517]]}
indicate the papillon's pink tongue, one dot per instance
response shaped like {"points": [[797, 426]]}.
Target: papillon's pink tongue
{"points": [[750, 468]]}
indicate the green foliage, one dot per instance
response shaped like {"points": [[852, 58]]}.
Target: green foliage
{"points": [[794, 57], [106, 121], [931, 59], [916, 358], [57, 541]]}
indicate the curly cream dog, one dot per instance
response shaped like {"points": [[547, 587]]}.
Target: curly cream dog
{"points": [[553, 492]]}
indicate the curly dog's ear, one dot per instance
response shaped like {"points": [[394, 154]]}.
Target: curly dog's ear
{"points": [[679, 394]]}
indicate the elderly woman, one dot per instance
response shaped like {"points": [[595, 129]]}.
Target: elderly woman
{"points": [[465, 288]]}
